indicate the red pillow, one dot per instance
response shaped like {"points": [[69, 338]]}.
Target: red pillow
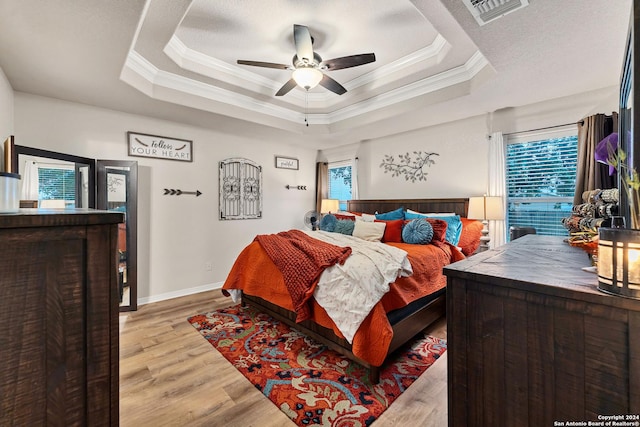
{"points": [[349, 217], [470, 235], [439, 230], [393, 230]]}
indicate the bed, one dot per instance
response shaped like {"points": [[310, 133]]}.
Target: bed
{"points": [[392, 322]]}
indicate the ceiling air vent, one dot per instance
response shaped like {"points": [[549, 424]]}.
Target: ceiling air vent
{"points": [[485, 11]]}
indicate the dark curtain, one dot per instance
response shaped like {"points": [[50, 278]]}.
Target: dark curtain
{"points": [[322, 183], [591, 175]]}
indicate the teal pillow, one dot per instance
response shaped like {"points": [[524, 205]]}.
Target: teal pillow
{"points": [[392, 215], [417, 232], [328, 222], [344, 226], [454, 225]]}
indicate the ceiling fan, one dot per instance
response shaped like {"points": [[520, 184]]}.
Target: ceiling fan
{"points": [[308, 67]]}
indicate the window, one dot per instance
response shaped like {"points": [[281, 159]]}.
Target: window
{"points": [[56, 183], [541, 174], [340, 182]]}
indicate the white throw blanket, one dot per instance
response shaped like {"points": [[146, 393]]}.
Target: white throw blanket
{"points": [[348, 292]]}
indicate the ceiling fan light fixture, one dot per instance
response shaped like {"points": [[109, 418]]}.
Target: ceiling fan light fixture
{"points": [[307, 77]]}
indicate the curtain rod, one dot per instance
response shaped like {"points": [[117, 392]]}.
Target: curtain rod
{"points": [[544, 128]]}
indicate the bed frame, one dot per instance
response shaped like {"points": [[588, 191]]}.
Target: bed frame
{"points": [[403, 330]]}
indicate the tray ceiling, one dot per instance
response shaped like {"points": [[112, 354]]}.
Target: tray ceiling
{"points": [[176, 60], [191, 57]]}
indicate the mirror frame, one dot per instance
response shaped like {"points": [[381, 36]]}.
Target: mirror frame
{"points": [[131, 221], [36, 152]]}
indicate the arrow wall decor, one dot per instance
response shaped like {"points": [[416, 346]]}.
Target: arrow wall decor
{"points": [[172, 192]]}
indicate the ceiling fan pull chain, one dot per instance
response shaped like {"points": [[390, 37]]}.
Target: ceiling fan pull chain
{"points": [[306, 107]]}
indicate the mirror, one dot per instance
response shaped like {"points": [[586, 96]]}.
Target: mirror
{"points": [[118, 190], [51, 179], [59, 180]]}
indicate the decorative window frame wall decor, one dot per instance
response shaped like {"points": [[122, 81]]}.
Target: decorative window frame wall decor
{"points": [[240, 182], [159, 147]]}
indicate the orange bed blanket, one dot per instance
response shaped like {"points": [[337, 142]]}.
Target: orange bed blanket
{"points": [[255, 274], [301, 259]]}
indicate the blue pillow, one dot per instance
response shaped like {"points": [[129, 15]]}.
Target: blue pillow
{"points": [[390, 216], [454, 225], [328, 222], [344, 226], [417, 232]]}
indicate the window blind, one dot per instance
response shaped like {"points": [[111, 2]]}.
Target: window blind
{"points": [[340, 174], [56, 183], [540, 183]]}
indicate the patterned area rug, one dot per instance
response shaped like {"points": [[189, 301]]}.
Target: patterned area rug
{"points": [[310, 383]]}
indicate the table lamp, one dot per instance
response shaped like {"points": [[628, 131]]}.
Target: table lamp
{"points": [[485, 208]]}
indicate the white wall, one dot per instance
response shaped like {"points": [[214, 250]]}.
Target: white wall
{"points": [[177, 235], [6, 111], [461, 167]]}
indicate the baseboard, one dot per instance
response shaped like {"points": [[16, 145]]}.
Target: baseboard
{"points": [[180, 293]]}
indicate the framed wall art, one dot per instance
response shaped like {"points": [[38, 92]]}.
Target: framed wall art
{"points": [[286, 163], [159, 147]]}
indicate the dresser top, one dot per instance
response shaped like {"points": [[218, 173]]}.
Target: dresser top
{"points": [[543, 264], [59, 217]]}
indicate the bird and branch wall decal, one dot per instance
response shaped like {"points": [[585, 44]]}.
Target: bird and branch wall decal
{"points": [[413, 169]]}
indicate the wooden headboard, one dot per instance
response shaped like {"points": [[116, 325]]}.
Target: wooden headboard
{"points": [[458, 205]]}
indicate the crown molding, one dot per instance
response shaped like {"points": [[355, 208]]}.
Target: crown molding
{"points": [[141, 67], [431, 84], [182, 87], [208, 66]]}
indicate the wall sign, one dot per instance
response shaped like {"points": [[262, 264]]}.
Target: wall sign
{"points": [[286, 163], [159, 147]]}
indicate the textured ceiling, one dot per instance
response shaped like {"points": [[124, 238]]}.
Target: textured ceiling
{"points": [[176, 60]]}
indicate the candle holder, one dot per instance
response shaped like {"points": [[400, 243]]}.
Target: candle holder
{"points": [[619, 262]]}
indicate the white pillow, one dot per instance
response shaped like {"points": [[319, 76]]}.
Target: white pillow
{"points": [[371, 231], [433, 213], [366, 218]]}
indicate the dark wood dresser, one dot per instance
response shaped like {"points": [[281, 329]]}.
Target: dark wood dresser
{"points": [[531, 341], [58, 318]]}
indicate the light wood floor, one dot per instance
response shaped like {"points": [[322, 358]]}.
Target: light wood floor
{"points": [[171, 376]]}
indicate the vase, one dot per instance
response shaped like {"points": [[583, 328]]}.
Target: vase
{"points": [[9, 192], [619, 261]]}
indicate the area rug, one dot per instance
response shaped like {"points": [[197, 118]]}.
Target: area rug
{"points": [[310, 383]]}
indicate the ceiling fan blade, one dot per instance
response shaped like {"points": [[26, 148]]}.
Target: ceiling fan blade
{"points": [[348, 61], [286, 88], [264, 64], [304, 45], [332, 85]]}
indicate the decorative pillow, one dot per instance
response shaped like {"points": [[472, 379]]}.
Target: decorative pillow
{"points": [[454, 225], [366, 217], [328, 222], [389, 216], [393, 230], [345, 215], [372, 231], [470, 236], [432, 213], [344, 226], [439, 230], [417, 232]]}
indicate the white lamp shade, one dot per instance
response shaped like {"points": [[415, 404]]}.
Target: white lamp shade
{"points": [[307, 77], [486, 208], [329, 205]]}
